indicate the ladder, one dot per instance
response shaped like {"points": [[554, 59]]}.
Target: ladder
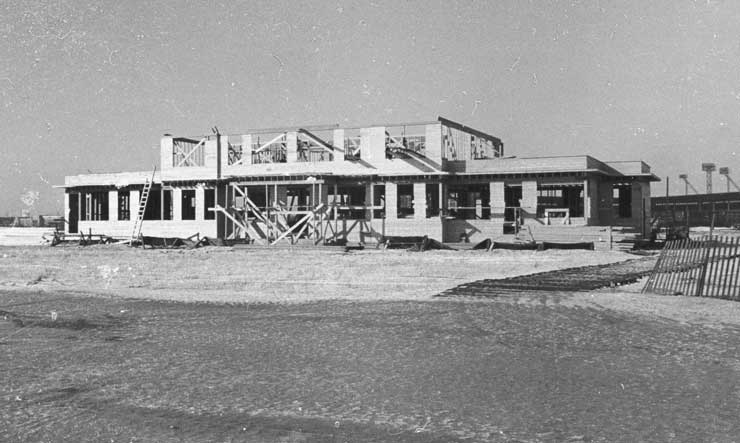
{"points": [[143, 199]]}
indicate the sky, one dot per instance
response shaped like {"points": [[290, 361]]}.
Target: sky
{"points": [[90, 86]]}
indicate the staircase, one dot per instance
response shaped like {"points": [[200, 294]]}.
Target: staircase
{"points": [[143, 199]]}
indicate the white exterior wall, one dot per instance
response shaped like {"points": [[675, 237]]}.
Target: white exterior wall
{"points": [[292, 147], [433, 142], [151, 228]]}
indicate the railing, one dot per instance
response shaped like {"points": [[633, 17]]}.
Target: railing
{"points": [[708, 267]]}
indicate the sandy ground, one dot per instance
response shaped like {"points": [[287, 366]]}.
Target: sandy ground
{"points": [[351, 347], [234, 275]]}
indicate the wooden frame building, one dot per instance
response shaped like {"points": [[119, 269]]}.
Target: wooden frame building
{"points": [[328, 184]]}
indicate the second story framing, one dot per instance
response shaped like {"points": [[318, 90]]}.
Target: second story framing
{"points": [[404, 148]]}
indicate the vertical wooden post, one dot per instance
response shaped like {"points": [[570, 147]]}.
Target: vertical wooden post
{"points": [[725, 269], [657, 276], [336, 211], [161, 203], [79, 209], [667, 181], [268, 225], [733, 270], [642, 217], [695, 260], [705, 263], [611, 238], [670, 277], [441, 199]]}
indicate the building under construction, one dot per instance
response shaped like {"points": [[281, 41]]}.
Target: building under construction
{"points": [[329, 185]]}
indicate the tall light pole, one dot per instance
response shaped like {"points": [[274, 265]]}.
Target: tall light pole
{"points": [[726, 172], [708, 168], [687, 185]]}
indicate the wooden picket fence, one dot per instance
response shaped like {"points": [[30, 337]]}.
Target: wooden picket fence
{"points": [[705, 267]]}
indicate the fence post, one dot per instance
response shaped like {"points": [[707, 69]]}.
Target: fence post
{"points": [[707, 246]]}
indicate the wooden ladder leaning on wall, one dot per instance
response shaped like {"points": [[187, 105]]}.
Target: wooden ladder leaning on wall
{"points": [[143, 199]]}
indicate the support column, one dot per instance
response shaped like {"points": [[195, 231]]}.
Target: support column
{"points": [[223, 154], [498, 200], [281, 194], [292, 147], [177, 204], [606, 203], [166, 145], [113, 205], [67, 212], [221, 201], [443, 198], [372, 144], [420, 200], [391, 201], [529, 199], [338, 143], [640, 200], [246, 149], [369, 199], [335, 211], [133, 203], [324, 193], [210, 155], [591, 201], [200, 203]]}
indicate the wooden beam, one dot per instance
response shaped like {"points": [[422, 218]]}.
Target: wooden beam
{"points": [[469, 130], [192, 151], [238, 223], [326, 146], [268, 143], [301, 221]]}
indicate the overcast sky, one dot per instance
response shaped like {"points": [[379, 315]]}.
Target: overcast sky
{"points": [[90, 86]]}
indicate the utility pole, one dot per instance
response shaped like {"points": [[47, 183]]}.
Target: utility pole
{"points": [[708, 168], [667, 188]]}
